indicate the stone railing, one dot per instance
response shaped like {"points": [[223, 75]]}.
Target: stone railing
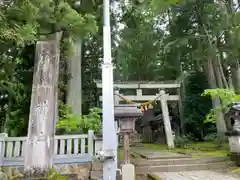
{"points": [[83, 145]]}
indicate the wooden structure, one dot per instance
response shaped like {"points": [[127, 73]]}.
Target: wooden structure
{"points": [[139, 86], [67, 149]]}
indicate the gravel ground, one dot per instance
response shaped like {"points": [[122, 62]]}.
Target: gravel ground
{"points": [[197, 175]]}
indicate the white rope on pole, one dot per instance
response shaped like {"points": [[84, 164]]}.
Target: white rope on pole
{"points": [[144, 105]]}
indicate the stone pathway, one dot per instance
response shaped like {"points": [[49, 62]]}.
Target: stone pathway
{"points": [[195, 175]]}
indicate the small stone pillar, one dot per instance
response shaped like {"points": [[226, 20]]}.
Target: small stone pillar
{"points": [[128, 172], [2, 141], [233, 133]]}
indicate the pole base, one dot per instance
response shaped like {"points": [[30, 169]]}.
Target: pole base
{"points": [[128, 172]]}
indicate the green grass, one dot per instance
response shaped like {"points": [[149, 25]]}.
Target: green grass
{"points": [[237, 170], [198, 149], [120, 154]]}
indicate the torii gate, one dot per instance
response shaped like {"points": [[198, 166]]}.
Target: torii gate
{"points": [[163, 97]]}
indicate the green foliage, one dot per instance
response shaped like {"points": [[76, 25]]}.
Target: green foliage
{"points": [[183, 141], [163, 5], [46, 18], [211, 137], [52, 175], [226, 96], [160, 40], [93, 55], [79, 124], [22, 23], [39, 174], [14, 104], [211, 116], [139, 52], [196, 106]]}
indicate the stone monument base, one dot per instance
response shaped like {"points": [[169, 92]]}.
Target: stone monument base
{"points": [[235, 157], [234, 146]]}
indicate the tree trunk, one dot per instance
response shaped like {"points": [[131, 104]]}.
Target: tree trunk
{"points": [[74, 92], [221, 72], [230, 82], [217, 74], [220, 122], [236, 77], [43, 110], [181, 94]]}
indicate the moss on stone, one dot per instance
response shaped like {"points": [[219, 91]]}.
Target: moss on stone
{"points": [[210, 149], [154, 177]]}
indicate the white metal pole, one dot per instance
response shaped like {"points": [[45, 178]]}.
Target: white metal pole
{"points": [[109, 133]]}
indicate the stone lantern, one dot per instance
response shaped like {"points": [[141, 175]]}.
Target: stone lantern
{"points": [[126, 115], [233, 121]]}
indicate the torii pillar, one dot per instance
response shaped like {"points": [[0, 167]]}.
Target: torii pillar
{"points": [[166, 119]]}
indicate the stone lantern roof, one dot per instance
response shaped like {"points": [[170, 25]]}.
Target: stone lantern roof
{"points": [[127, 110], [234, 107]]}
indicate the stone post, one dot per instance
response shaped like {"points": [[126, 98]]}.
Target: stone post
{"points": [[128, 172], [44, 104], [2, 141], [90, 142], [116, 98]]}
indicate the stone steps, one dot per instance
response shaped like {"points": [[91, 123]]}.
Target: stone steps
{"points": [[156, 155], [157, 162], [138, 177], [144, 166], [143, 169], [135, 155], [183, 167]]}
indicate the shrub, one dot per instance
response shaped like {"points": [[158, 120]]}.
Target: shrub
{"points": [[182, 141], [195, 106], [226, 96], [81, 124], [40, 174], [211, 137]]}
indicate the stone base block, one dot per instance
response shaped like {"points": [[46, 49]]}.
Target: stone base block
{"points": [[236, 158], [81, 170], [234, 144], [128, 172]]}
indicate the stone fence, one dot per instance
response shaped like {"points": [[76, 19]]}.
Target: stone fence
{"points": [[67, 148]]}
